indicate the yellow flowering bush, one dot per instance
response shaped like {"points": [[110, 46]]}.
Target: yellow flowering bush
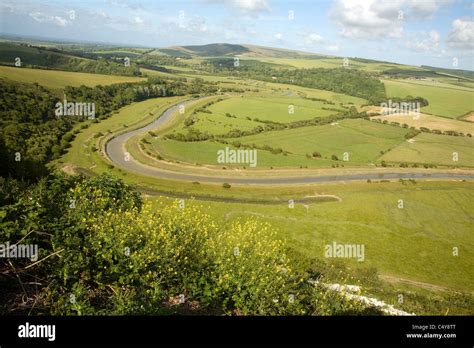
{"points": [[119, 256]]}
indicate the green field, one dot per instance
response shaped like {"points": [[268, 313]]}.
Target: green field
{"points": [[81, 155], [414, 243], [60, 79], [363, 140], [447, 102], [434, 149], [431, 122], [331, 63], [274, 109]]}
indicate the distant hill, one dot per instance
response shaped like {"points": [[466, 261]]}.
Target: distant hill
{"points": [[53, 58], [464, 74], [33, 55], [213, 50], [224, 49]]}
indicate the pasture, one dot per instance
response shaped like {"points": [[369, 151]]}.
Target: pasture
{"points": [[431, 122], [362, 140], [282, 110], [447, 102], [59, 79], [434, 149], [413, 243]]}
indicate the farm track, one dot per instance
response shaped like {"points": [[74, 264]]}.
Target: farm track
{"points": [[115, 150]]}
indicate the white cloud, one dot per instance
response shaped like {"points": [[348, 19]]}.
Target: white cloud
{"points": [[246, 7], [251, 5], [278, 36], [130, 5], [381, 19], [368, 18], [332, 48], [426, 8], [424, 42], [314, 38], [44, 18], [461, 35], [138, 20], [196, 24]]}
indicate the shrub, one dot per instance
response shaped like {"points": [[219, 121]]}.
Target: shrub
{"points": [[121, 257], [226, 185]]}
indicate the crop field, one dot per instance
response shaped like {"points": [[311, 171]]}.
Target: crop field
{"points": [[60, 79], [445, 82], [446, 102], [318, 93], [332, 63], [430, 122]]}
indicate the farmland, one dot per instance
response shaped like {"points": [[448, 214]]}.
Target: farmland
{"points": [[430, 122], [60, 79], [432, 148], [298, 132], [450, 102]]}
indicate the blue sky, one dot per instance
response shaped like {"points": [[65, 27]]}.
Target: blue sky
{"points": [[428, 32]]}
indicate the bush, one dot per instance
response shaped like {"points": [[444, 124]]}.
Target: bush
{"points": [[226, 185], [121, 257]]}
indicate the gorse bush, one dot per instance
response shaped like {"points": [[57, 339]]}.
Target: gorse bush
{"points": [[110, 254]]}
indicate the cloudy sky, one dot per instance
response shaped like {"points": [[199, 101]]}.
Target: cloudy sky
{"points": [[428, 32]]}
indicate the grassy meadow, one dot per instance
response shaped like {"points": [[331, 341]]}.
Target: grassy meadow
{"points": [[414, 243], [449, 102], [434, 149], [59, 79]]}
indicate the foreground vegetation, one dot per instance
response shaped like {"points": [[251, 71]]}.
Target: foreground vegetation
{"points": [[102, 251]]}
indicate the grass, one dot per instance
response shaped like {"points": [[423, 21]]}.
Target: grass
{"points": [[445, 82], [59, 79], [446, 102], [434, 149], [336, 62], [80, 153], [155, 73], [218, 123], [413, 243], [273, 109], [431, 122], [363, 140], [205, 153], [312, 93]]}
